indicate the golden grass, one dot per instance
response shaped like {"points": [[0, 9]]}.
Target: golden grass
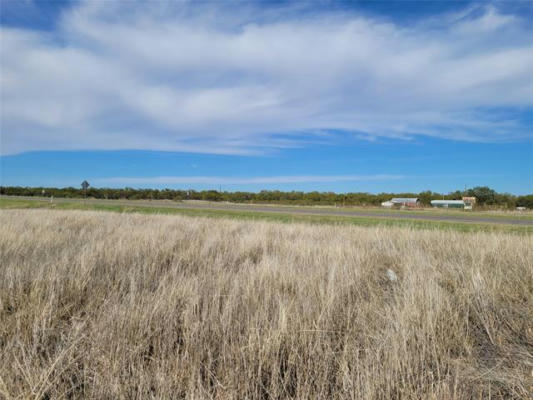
{"points": [[107, 306]]}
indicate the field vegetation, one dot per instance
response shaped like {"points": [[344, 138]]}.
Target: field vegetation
{"points": [[487, 198], [100, 305], [376, 217]]}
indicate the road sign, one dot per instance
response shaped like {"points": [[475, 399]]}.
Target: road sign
{"points": [[85, 185]]}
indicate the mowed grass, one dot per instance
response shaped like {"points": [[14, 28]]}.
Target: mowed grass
{"points": [[378, 220], [375, 211], [100, 305]]}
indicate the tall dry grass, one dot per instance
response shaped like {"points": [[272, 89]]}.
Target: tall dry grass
{"points": [[110, 306]]}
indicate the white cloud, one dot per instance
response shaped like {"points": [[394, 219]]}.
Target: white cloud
{"points": [[161, 77], [223, 180]]}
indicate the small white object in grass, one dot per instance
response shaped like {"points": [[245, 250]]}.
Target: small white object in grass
{"points": [[391, 275]]}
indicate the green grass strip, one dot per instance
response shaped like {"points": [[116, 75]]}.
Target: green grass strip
{"points": [[269, 216]]}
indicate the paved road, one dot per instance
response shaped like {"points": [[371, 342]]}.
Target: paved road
{"points": [[400, 214]]}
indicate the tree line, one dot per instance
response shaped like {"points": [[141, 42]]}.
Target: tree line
{"points": [[486, 197]]}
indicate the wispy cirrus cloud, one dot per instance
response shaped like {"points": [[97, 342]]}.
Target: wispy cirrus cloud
{"points": [[241, 80], [228, 180]]}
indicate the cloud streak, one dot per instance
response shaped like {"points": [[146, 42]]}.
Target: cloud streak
{"points": [[225, 180], [242, 81]]}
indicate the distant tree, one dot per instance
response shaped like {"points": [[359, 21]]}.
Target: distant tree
{"points": [[426, 197], [457, 195], [483, 194], [525, 201], [211, 195]]}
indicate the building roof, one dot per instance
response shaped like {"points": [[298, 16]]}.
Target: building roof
{"points": [[405, 200], [447, 202]]}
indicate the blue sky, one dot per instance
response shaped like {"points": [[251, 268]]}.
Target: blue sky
{"points": [[326, 95]]}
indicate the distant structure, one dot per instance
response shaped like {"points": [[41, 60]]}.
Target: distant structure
{"points": [[402, 202], [406, 202], [448, 203], [467, 203], [470, 202], [413, 202]]}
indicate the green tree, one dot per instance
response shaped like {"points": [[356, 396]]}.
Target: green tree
{"points": [[483, 194]]}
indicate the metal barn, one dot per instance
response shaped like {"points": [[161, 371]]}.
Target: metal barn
{"points": [[448, 203], [405, 202]]}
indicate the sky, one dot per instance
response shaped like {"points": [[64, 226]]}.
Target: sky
{"points": [[344, 96]]}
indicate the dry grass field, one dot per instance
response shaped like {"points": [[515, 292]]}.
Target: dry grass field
{"points": [[125, 306]]}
